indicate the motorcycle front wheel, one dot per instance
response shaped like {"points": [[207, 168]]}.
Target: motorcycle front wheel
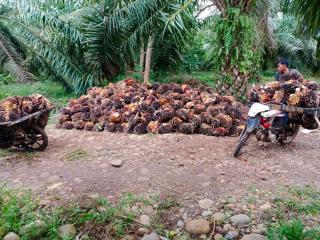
{"points": [[241, 143]]}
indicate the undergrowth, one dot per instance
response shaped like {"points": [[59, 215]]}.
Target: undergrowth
{"points": [[93, 218], [297, 215]]}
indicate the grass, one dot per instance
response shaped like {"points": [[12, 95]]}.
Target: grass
{"points": [[292, 212], [93, 219], [76, 154], [5, 153]]}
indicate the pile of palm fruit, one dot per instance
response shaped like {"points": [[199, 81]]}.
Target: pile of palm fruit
{"points": [[292, 91], [137, 108], [14, 108]]}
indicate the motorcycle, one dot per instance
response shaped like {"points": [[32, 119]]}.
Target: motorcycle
{"points": [[276, 123]]}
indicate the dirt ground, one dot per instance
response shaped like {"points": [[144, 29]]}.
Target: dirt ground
{"points": [[78, 163]]}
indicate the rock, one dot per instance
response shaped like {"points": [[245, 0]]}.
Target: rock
{"points": [[152, 236], [116, 163], [180, 224], [227, 227], [218, 237], [219, 217], [262, 228], [205, 203], [231, 235], [265, 207], [145, 220], [94, 196], [134, 209], [128, 237], [11, 236], [53, 179], [206, 214], [185, 216], [198, 226], [148, 210], [67, 231], [254, 236], [34, 230], [143, 231], [240, 220]]}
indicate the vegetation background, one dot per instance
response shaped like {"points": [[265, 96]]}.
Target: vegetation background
{"points": [[60, 48]]}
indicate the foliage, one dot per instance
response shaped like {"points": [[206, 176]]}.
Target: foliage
{"points": [[293, 230], [93, 218], [291, 213], [292, 45], [11, 55], [308, 13]]}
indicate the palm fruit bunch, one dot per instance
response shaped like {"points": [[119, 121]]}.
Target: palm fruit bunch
{"points": [[132, 107], [14, 108], [295, 92]]}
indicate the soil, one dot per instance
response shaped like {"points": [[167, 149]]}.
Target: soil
{"points": [[78, 163]]}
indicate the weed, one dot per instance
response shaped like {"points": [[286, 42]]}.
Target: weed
{"points": [[115, 220], [75, 154], [292, 230], [5, 153]]}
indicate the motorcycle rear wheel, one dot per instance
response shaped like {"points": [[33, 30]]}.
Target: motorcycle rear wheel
{"points": [[290, 138], [241, 143]]}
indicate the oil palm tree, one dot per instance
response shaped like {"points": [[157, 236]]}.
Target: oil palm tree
{"points": [[11, 54], [308, 13]]}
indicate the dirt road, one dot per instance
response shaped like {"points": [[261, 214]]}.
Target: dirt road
{"points": [[79, 163]]}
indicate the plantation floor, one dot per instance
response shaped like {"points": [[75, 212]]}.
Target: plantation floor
{"points": [[77, 163]]}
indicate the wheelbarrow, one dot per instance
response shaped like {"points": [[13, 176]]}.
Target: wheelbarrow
{"points": [[26, 133]]}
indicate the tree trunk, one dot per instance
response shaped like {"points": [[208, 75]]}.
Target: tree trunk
{"points": [[232, 82], [141, 63], [147, 67]]}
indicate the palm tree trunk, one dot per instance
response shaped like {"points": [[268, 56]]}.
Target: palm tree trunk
{"points": [[147, 67], [141, 63]]}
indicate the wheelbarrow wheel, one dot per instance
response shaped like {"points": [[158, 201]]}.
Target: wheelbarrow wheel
{"points": [[37, 140]]}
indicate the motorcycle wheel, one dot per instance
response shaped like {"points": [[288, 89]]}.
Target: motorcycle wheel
{"points": [[39, 140], [290, 139], [242, 141]]}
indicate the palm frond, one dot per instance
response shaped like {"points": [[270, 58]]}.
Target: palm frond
{"points": [[60, 63], [10, 57]]}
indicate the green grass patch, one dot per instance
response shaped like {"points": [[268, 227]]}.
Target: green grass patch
{"points": [[5, 153], [93, 219], [292, 213], [76, 154]]}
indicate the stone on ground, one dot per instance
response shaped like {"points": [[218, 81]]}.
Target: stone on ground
{"points": [[240, 220], [148, 210], [254, 236], [11, 236], [205, 203], [198, 226], [143, 231], [231, 235], [152, 236], [218, 237], [34, 230], [116, 163], [180, 224], [145, 220], [219, 217], [67, 231]]}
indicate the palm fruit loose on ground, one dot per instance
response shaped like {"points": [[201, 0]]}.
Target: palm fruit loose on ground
{"points": [[131, 107]]}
